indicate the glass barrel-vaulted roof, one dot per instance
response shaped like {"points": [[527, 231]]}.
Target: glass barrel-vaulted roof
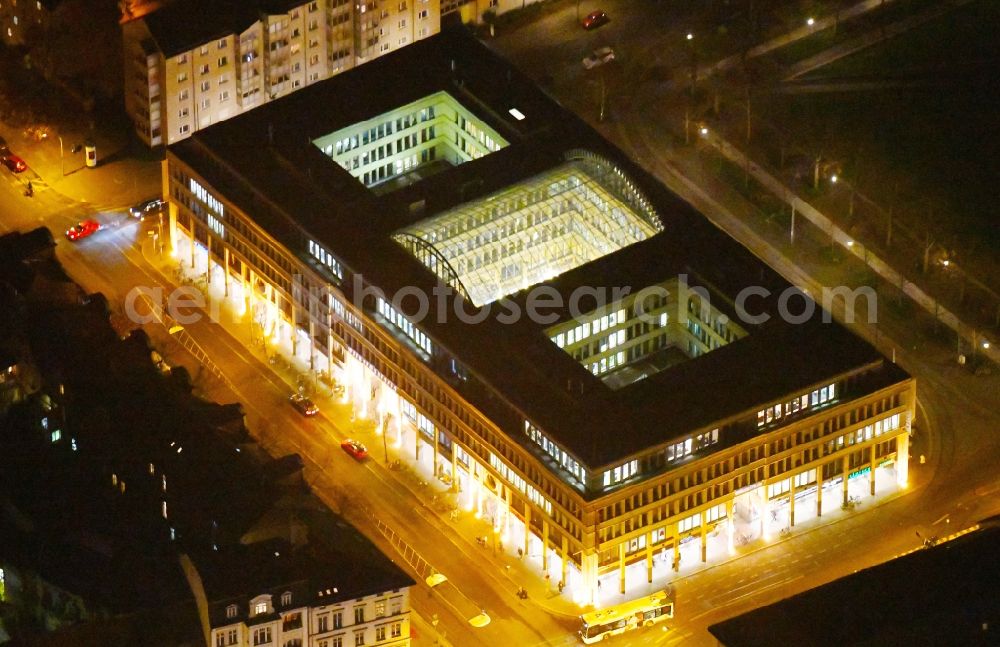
{"points": [[532, 231]]}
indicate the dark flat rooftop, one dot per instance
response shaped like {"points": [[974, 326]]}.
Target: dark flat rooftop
{"points": [[185, 24], [265, 163], [337, 557], [946, 595]]}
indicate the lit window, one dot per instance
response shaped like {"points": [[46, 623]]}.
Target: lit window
{"points": [[514, 112]]}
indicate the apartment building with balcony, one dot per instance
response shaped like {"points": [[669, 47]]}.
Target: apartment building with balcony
{"points": [[191, 64]]}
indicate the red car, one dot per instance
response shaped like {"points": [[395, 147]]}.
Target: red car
{"points": [[595, 19], [14, 163], [354, 448], [83, 229]]}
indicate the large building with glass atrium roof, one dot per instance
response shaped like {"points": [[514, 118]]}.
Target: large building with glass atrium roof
{"points": [[640, 414]]}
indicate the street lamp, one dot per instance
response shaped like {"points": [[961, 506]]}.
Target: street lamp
{"points": [[62, 160], [694, 62], [810, 21]]}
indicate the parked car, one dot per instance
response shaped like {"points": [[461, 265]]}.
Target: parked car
{"points": [[4, 150], [303, 405], [14, 163], [82, 229], [354, 448], [147, 207], [595, 19], [599, 56]]}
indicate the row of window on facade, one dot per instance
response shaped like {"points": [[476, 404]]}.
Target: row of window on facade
{"points": [[341, 311], [658, 535], [396, 168], [583, 331], [621, 473], [480, 134], [417, 419], [674, 452], [318, 252], [608, 363], [182, 59], [511, 477], [427, 428], [862, 434], [711, 515], [801, 403], [688, 446], [324, 620], [405, 326], [206, 198], [393, 630], [404, 143], [384, 129], [566, 461]]}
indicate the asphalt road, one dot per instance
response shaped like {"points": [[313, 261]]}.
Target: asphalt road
{"points": [[111, 261], [957, 421], [957, 413]]}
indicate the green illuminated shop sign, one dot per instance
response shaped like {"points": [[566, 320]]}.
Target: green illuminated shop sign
{"points": [[859, 472]]}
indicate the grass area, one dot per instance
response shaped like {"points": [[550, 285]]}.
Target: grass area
{"points": [[931, 149], [849, 29]]}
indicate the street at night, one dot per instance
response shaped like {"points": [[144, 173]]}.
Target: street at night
{"points": [[544, 468]]}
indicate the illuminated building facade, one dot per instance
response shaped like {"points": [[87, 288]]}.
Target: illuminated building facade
{"points": [[182, 75], [24, 23], [285, 596], [617, 426]]}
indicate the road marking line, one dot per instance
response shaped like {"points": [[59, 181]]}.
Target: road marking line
{"points": [[747, 594]]}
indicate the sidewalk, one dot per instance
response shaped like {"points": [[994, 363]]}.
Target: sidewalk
{"points": [[423, 632], [125, 174], [437, 497]]}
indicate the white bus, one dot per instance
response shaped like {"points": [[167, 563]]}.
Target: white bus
{"points": [[611, 621]]}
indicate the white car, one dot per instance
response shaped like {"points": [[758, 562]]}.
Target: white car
{"points": [[599, 56]]}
